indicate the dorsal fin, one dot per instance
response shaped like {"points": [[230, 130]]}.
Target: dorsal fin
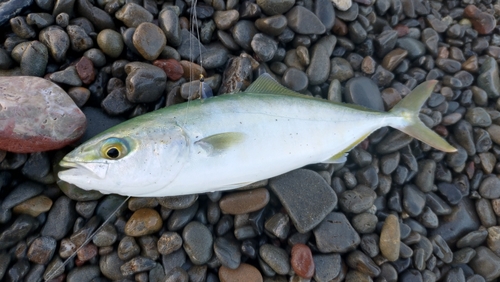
{"points": [[265, 84]]}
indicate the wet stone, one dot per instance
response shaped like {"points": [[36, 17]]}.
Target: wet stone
{"points": [[335, 234], [132, 15], [276, 258], [169, 242], [34, 206], [37, 166], [275, 7], [460, 222], [179, 218], [116, 102], [57, 42], [363, 91], [228, 253], [264, 46], [490, 188], [244, 202], [340, 69], [107, 236], [110, 42], [482, 22], [18, 230], [23, 192], [198, 242], [414, 47], [60, 218], [128, 248], [364, 223], [177, 202], [450, 192], [362, 263], [489, 79], [145, 83], [357, 200], [143, 222], [306, 197], [437, 205], [41, 250], [278, 225], [295, 79], [390, 237], [137, 264], [149, 40]]}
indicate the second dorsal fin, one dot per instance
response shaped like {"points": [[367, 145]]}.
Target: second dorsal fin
{"points": [[265, 84]]}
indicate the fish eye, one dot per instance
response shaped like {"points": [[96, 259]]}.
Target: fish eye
{"points": [[113, 153], [114, 148]]}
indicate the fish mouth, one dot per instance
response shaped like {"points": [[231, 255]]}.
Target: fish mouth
{"points": [[83, 169]]}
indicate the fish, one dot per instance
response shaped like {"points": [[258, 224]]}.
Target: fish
{"points": [[232, 140]]}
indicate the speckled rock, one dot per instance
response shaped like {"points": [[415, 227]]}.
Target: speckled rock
{"points": [[149, 40], [143, 222], [52, 121], [336, 234]]}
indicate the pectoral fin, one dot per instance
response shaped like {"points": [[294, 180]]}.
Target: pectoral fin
{"points": [[218, 143]]}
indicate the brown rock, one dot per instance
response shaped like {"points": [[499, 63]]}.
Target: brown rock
{"points": [[394, 58], [244, 273], [192, 71], [171, 67], [368, 65], [302, 261], [390, 238], [471, 64], [244, 202], [339, 28], [87, 252], [143, 222], [85, 70], [37, 115], [390, 97], [34, 206], [482, 22]]}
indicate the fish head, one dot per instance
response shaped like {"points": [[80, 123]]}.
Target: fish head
{"points": [[127, 160]]}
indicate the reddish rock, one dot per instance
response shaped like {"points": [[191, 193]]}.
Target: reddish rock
{"points": [[482, 22], [302, 261], [441, 130], [87, 252], [192, 71], [85, 70], [402, 30], [244, 273], [171, 67], [37, 115]]}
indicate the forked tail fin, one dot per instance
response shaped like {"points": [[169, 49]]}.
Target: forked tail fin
{"points": [[409, 108]]}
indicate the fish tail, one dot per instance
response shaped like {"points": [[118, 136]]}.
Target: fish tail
{"points": [[409, 108]]}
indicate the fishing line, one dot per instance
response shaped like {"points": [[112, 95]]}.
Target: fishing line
{"points": [[52, 273]]}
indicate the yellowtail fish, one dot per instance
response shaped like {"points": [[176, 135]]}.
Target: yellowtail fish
{"points": [[232, 140]]}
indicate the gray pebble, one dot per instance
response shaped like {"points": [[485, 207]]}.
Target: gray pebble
{"points": [[21, 193], [99, 18], [60, 218], [243, 33], [79, 39], [40, 20], [364, 223], [169, 23], [340, 69], [110, 42], [145, 83], [275, 7], [128, 248], [227, 252], [413, 200], [335, 234], [357, 200], [67, 76], [180, 218], [21, 28], [276, 258], [363, 91], [198, 242], [136, 265], [264, 46], [295, 79], [278, 225]]}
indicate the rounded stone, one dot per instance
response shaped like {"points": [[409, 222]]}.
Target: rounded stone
{"points": [[244, 202], [302, 261], [143, 222], [275, 7], [244, 273], [41, 116], [276, 258], [198, 242], [149, 40], [110, 42], [295, 79], [390, 238], [34, 206]]}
